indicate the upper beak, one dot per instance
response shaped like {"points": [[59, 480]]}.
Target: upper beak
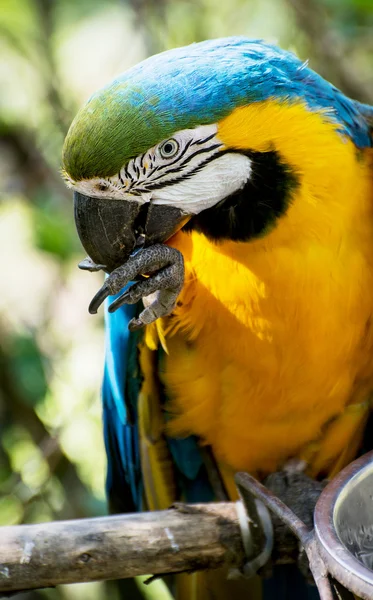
{"points": [[110, 229]]}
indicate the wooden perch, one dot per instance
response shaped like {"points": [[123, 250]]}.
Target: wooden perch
{"points": [[184, 538]]}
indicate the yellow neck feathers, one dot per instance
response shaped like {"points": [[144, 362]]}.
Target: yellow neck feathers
{"points": [[336, 181]]}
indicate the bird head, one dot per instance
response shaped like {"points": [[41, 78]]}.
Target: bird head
{"points": [[210, 137]]}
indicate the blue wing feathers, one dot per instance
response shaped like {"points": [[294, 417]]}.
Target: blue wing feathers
{"points": [[121, 387], [123, 481]]}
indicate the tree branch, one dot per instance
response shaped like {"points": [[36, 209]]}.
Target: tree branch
{"points": [[184, 538]]}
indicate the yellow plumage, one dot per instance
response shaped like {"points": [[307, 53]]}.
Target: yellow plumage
{"points": [[272, 339]]}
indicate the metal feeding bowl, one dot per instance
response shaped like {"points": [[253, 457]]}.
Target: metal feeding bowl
{"points": [[344, 527]]}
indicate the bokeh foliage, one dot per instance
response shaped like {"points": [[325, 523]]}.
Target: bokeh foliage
{"points": [[53, 55]]}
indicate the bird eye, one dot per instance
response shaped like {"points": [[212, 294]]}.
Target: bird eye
{"points": [[169, 148]]}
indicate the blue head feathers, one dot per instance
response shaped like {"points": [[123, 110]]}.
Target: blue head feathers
{"points": [[190, 86]]}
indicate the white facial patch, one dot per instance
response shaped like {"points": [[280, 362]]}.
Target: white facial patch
{"points": [[191, 171], [217, 180]]}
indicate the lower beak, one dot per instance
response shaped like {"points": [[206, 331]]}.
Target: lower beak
{"points": [[110, 229]]}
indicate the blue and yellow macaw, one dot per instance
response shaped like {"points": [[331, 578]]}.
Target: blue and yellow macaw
{"points": [[235, 158]]}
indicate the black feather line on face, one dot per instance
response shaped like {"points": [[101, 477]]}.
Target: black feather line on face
{"points": [[178, 170], [166, 167], [252, 211], [179, 176], [206, 139]]}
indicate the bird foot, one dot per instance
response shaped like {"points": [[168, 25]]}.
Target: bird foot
{"points": [[163, 268], [291, 496], [300, 493]]}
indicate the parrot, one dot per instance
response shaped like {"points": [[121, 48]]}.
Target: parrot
{"points": [[226, 190]]}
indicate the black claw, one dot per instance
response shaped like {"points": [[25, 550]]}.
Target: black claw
{"points": [[135, 324], [98, 299], [119, 301]]}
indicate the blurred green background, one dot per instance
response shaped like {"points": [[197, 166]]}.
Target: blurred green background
{"points": [[53, 55]]}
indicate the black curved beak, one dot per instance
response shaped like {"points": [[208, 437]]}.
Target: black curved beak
{"points": [[110, 229]]}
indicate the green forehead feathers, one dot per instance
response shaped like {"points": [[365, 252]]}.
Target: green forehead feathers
{"points": [[110, 130]]}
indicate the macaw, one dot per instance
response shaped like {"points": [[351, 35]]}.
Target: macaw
{"points": [[233, 185]]}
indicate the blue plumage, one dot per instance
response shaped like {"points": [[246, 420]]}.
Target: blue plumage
{"points": [[190, 471], [206, 81], [197, 85]]}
